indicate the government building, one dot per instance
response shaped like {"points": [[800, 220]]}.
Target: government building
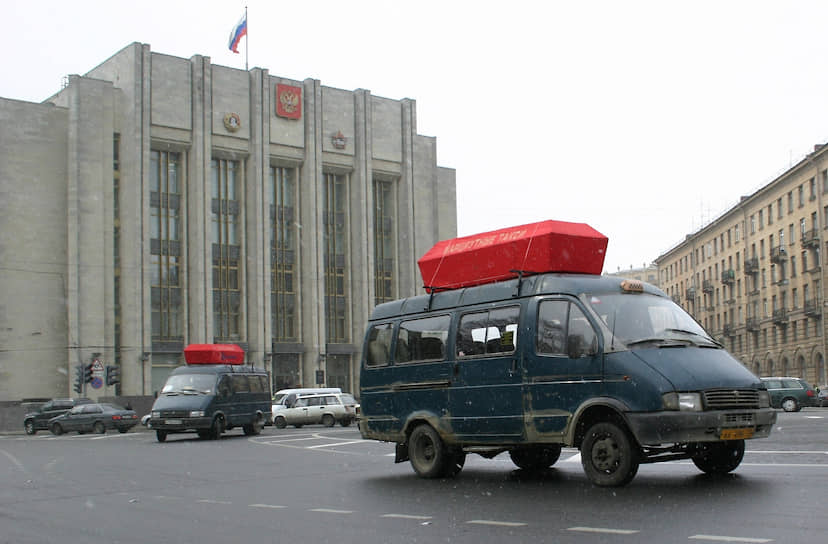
{"points": [[754, 277], [157, 201]]}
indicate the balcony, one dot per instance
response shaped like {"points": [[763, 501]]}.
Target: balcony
{"points": [[812, 309], [810, 239], [778, 255], [690, 294], [728, 276], [780, 317], [751, 266], [752, 324], [729, 330], [707, 287]]}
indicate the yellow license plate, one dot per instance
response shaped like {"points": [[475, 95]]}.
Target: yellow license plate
{"points": [[736, 434]]}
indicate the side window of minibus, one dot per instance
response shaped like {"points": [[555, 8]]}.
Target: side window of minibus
{"points": [[379, 345], [224, 386], [490, 332], [256, 384], [422, 339], [239, 384], [564, 330]]}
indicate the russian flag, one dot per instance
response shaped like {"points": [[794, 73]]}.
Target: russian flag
{"points": [[236, 34]]}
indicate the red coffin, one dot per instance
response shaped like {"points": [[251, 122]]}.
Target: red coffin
{"points": [[214, 354], [547, 246]]}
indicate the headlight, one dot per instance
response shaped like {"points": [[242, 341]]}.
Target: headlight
{"points": [[155, 414], [764, 399], [197, 413], [685, 402]]}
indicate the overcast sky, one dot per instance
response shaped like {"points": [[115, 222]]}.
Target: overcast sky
{"points": [[643, 119]]}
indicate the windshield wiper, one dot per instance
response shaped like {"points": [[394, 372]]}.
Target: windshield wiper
{"points": [[706, 338], [663, 342]]}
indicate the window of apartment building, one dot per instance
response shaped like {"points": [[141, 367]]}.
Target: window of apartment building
{"points": [[761, 219], [814, 222], [334, 211], [801, 195], [781, 237], [226, 218], [791, 236], [812, 187], [770, 214], [825, 216], [752, 224], [385, 248], [802, 228], [793, 266], [790, 202], [825, 181], [283, 260], [762, 249], [795, 297], [166, 252], [804, 257], [806, 293], [729, 239], [794, 331], [779, 208]]}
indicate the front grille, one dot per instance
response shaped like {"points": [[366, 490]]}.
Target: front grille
{"points": [[731, 399], [175, 413], [739, 420]]}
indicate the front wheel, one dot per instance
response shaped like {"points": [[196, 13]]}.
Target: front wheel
{"points": [[99, 428], [608, 455], [427, 452], [719, 457], [790, 405], [536, 458], [217, 428], [280, 422], [161, 436]]}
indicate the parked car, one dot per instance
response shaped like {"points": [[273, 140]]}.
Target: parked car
{"points": [[325, 409], [39, 419], [790, 394], [94, 417], [822, 397]]}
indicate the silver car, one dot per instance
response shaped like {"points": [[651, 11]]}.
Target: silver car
{"points": [[326, 409]]}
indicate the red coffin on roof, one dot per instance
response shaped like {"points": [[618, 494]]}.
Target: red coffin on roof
{"points": [[214, 354], [547, 246]]}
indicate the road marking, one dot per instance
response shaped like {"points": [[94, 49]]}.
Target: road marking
{"points": [[266, 506], [14, 461], [716, 538], [604, 530], [211, 501], [331, 511], [336, 444], [498, 523], [406, 516]]}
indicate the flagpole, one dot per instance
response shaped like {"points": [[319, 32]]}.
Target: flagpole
{"points": [[246, 39]]}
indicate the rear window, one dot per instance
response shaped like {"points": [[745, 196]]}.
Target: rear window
{"points": [[347, 399], [792, 384]]}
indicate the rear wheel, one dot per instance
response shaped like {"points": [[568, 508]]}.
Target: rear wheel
{"points": [[99, 428], [280, 422], [254, 428], [345, 421], [56, 429], [161, 436], [30, 427], [535, 458], [608, 456], [427, 452], [328, 420], [790, 405], [719, 457]]}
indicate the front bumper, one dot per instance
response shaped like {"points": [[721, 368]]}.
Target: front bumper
{"points": [[180, 423], [656, 428]]}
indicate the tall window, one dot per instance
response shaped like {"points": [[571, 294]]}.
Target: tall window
{"points": [[283, 254], [165, 246], [226, 211], [384, 241], [335, 261]]}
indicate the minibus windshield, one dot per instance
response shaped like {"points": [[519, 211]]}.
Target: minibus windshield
{"points": [[189, 384], [638, 317]]}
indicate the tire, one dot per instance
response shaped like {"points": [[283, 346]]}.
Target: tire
{"points": [[29, 426], [99, 428], [536, 458], [608, 455], [427, 452], [254, 428], [161, 436], [217, 428], [719, 457], [56, 429], [790, 405], [345, 421], [328, 420], [279, 422]]}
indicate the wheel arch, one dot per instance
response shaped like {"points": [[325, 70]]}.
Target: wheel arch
{"points": [[596, 411]]}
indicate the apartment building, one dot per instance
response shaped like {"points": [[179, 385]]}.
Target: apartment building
{"points": [[754, 277]]}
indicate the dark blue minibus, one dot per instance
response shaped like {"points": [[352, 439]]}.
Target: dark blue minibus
{"points": [[610, 366]]}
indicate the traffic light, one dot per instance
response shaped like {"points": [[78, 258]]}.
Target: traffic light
{"points": [[87, 373], [113, 375], [78, 387]]}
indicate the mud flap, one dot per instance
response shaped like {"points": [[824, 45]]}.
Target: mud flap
{"points": [[401, 453]]}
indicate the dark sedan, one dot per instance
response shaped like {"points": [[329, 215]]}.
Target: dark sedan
{"points": [[38, 420], [95, 417]]}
